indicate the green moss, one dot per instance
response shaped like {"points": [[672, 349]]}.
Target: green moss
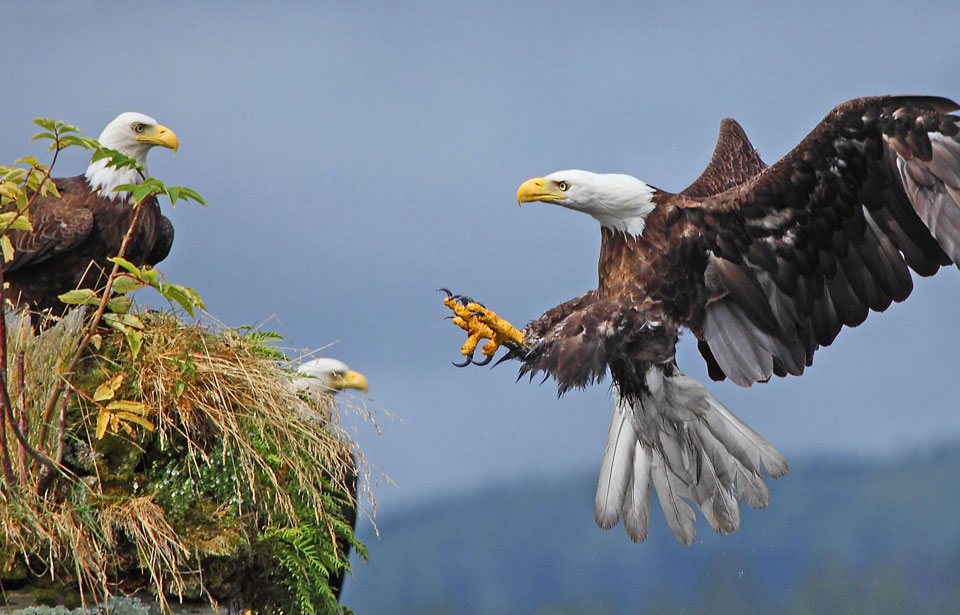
{"points": [[45, 596]]}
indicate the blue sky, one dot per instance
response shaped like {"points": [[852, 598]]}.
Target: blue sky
{"points": [[355, 156]]}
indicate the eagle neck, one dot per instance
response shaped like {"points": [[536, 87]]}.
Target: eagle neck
{"points": [[620, 255]]}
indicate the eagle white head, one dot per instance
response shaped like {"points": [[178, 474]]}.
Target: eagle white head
{"points": [[131, 134], [325, 376], [619, 202]]}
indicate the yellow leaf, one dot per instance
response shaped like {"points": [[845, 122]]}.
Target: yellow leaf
{"points": [[128, 406], [7, 249], [96, 341], [133, 418], [103, 420], [106, 390]]}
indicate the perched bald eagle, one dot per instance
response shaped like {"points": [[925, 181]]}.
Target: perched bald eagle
{"points": [[325, 377], [762, 265], [87, 224]]}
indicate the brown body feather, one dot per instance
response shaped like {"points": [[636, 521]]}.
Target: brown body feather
{"points": [[72, 238]]}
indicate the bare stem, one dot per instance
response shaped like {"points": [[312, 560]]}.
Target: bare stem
{"points": [[5, 457], [22, 408]]}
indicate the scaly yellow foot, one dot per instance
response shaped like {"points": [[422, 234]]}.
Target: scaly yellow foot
{"points": [[480, 323]]}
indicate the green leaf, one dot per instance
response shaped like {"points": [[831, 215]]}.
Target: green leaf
{"points": [[175, 292], [125, 264], [149, 275], [14, 175], [135, 341], [49, 187], [19, 221], [111, 321], [46, 123], [84, 142], [130, 320], [187, 193], [126, 284], [44, 135], [143, 192], [119, 304], [27, 160], [80, 296], [184, 295]]}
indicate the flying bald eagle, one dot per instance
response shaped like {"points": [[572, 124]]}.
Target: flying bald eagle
{"points": [[87, 224], [324, 378], [762, 265]]}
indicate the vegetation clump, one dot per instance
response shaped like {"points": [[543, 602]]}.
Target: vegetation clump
{"points": [[140, 451], [217, 481]]}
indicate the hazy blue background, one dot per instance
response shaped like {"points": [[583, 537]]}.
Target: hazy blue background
{"points": [[355, 156]]}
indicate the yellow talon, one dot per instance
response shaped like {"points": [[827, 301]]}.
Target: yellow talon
{"points": [[482, 324]]}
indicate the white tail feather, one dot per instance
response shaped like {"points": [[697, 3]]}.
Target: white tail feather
{"points": [[680, 516], [636, 505], [615, 470], [680, 438]]}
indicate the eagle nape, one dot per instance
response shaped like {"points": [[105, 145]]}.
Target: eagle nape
{"points": [[481, 323]]}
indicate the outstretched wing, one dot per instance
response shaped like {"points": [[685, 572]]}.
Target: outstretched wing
{"points": [[59, 224], [828, 233], [734, 161]]}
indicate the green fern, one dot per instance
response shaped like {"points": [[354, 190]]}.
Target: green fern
{"points": [[307, 555]]}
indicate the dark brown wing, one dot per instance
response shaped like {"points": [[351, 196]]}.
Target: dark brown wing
{"points": [[59, 224], [828, 233], [734, 161], [163, 243]]}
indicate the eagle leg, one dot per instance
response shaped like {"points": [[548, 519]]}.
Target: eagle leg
{"points": [[480, 324]]}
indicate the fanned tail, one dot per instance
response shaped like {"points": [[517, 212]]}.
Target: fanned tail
{"points": [[679, 437]]}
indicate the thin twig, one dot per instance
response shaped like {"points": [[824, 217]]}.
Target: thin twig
{"points": [[5, 457], [22, 407], [91, 330]]}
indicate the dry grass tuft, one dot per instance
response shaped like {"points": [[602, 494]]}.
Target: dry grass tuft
{"points": [[234, 450]]}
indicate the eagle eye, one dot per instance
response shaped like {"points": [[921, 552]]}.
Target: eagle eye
{"points": [[563, 186], [138, 127]]}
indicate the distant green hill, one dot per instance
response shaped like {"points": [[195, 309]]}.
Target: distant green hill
{"points": [[838, 537]]}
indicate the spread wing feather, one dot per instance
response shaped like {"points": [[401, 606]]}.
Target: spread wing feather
{"points": [[827, 234]]}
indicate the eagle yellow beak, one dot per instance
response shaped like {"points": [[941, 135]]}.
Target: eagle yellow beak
{"points": [[538, 189], [160, 136], [352, 380]]}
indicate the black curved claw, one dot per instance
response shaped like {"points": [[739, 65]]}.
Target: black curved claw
{"points": [[445, 290], [485, 361], [467, 361], [464, 300]]}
